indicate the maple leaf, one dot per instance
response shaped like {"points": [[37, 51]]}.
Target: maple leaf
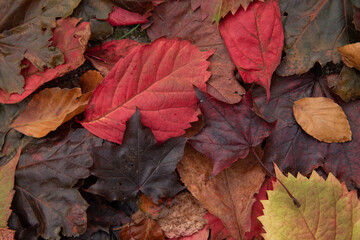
{"points": [[172, 19], [217, 9], [346, 84], [158, 79], [122, 17], [71, 39], [228, 195], [254, 39], [230, 130], [7, 173], [139, 164], [292, 149], [309, 36], [106, 55], [23, 36], [328, 210], [48, 169]]}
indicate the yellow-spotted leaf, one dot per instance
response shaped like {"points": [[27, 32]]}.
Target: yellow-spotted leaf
{"points": [[350, 55], [323, 119], [328, 210]]}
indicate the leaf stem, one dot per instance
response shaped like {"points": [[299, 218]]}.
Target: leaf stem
{"points": [[295, 201], [126, 34]]}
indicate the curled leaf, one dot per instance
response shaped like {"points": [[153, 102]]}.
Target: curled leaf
{"points": [[350, 55]]}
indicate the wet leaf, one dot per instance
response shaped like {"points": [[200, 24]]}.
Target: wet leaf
{"points": [[230, 131], [346, 84], [313, 30], [49, 109], [323, 119], [350, 54], [122, 17], [158, 79], [175, 19], [71, 38], [228, 195], [139, 164], [328, 210], [254, 39], [48, 169]]}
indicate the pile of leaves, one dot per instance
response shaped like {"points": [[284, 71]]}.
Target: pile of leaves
{"points": [[197, 133]]}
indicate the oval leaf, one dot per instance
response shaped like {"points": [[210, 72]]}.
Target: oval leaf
{"points": [[158, 79], [323, 119], [350, 55]]}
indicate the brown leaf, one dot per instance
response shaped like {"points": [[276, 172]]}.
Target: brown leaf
{"points": [[346, 84], [50, 108], [90, 80], [323, 119], [147, 229], [7, 234], [350, 55], [229, 195]]}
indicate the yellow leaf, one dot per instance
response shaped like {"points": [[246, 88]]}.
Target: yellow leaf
{"points": [[323, 119], [351, 55], [328, 210]]}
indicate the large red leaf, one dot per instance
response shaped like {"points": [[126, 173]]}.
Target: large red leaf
{"points": [[122, 17], [230, 130], [172, 19], [72, 39], [291, 148], [158, 79], [255, 40]]}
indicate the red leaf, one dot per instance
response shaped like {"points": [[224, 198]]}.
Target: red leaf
{"points": [[257, 210], [105, 56], [230, 130], [218, 230], [254, 39], [122, 17], [72, 40], [158, 79]]}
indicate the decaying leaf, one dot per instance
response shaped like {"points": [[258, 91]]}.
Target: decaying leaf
{"points": [[147, 229], [218, 230], [139, 6], [71, 38], [176, 19], [313, 30], [48, 169], [254, 39], [122, 17], [323, 119], [346, 84], [228, 195], [350, 55], [328, 210], [151, 209], [230, 130], [139, 164], [50, 108], [158, 79]]}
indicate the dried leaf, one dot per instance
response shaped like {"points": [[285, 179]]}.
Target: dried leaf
{"points": [[350, 55], [139, 164], [229, 195], [90, 80], [346, 84], [254, 39], [218, 230], [158, 79], [175, 19], [122, 17], [71, 39], [323, 119], [328, 210], [147, 229]]}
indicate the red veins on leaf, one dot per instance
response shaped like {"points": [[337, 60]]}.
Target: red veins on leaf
{"points": [[156, 78], [230, 130], [254, 39]]}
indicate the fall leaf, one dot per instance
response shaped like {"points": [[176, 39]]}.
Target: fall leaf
{"points": [[217, 9], [139, 164], [328, 210], [48, 169], [175, 19], [151, 209], [254, 39], [147, 229], [139, 6], [292, 149], [7, 173], [228, 195], [71, 39], [218, 230], [349, 55], [106, 55], [48, 109], [122, 17], [356, 8], [311, 37], [229, 132], [90, 80], [22, 37], [323, 119], [346, 84], [158, 79], [202, 234]]}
